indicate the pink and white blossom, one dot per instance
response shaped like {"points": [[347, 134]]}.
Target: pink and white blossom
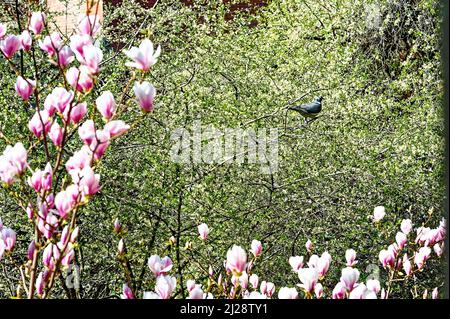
{"points": [[296, 262], [203, 231], [37, 22], [159, 266], [256, 248], [143, 58], [145, 95], [24, 88]]}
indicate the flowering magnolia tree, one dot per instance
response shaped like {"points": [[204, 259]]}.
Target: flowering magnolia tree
{"points": [[53, 193], [52, 180]]}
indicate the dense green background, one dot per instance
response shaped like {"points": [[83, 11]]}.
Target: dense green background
{"points": [[380, 139]]}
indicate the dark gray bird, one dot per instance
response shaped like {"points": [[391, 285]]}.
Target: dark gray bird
{"points": [[309, 110]]}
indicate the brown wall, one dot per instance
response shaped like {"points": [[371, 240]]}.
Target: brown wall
{"points": [[67, 18]]}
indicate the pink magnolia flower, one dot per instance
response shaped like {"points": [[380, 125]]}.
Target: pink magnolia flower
{"points": [[35, 181], [159, 266], [65, 56], [256, 248], [74, 236], [323, 263], [51, 44], [50, 199], [203, 231], [117, 226], [76, 113], [10, 45], [401, 239], [31, 250], [77, 43], [89, 25], [37, 22], [68, 256], [165, 285], [254, 280], [24, 87], [407, 265], [106, 105], [309, 245], [243, 280], [121, 247], [145, 94], [350, 257], [87, 132], [8, 236], [100, 143], [387, 258], [263, 287], [287, 293], [42, 179], [12, 162], [50, 256], [393, 249], [61, 99], [126, 292], [47, 222], [296, 262], [442, 227], [339, 291], [143, 57], [92, 56], [438, 249], [64, 203], [406, 226], [64, 236], [25, 40], [196, 293], [40, 283], [421, 256], [378, 213], [190, 285], [358, 292], [56, 134], [435, 293], [7, 171], [309, 278], [313, 260], [88, 182], [116, 128], [236, 260], [373, 285], [79, 160], [3, 29], [80, 79], [35, 124], [349, 277], [49, 105], [270, 289], [210, 271], [318, 290]]}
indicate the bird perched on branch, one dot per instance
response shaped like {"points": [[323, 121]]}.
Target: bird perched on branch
{"points": [[309, 110]]}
